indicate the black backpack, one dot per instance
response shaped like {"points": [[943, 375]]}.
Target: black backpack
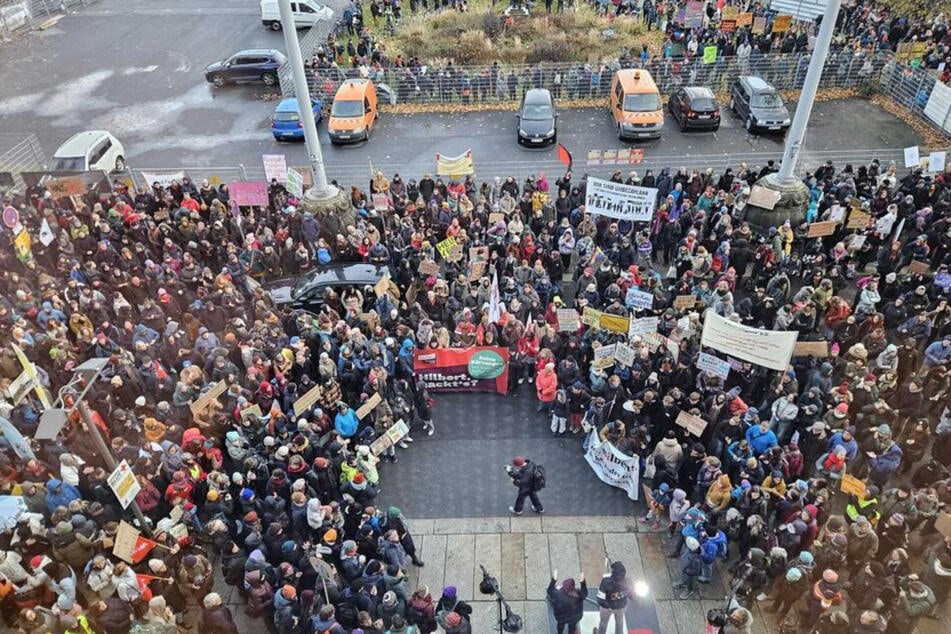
{"points": [[538, 477]]}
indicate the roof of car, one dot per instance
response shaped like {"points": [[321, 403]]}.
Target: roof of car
{"points": [[342, 274], [352, 88], [260, 51], [77, 144], [698, 91], [287, 105], [538, 95], [757, 84]]}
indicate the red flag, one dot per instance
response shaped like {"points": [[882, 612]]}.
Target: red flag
{"points": [[564, 155], [141, 549]]}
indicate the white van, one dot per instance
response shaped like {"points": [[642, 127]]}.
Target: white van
{"points": [[306, 13], [88, 151]]}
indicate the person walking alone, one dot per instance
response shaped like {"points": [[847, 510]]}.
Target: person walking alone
{"points": [[529, 478]]}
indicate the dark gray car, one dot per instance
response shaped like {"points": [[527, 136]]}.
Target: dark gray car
{"points": [[759, 105], [537, 119], [307, 291]]}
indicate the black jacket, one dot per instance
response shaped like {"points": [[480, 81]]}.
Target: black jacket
{"points": [[568, 608], [612, 593]]}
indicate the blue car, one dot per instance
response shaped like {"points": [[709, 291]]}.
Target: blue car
{"points": [[286, 124]]}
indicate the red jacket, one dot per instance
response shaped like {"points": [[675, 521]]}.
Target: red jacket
{"points": [[546, 385]]}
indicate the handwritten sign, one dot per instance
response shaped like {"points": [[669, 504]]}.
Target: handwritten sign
{"points": [[392, 436], [639, 299], [643, 326], [249, 194], [943, 524], [614, 323], [713, 364], [852, 486], [782, 23], [66, 186], [763, 197], [858, 219], [811, 349], [604, 356], [820, 229], [254, 410], [478, 270], [759, 24], [428, 267], [445, 246], [918, 267], [275, 167], [369, 406], [307, 400], [744, 19], [495, 217], [693, 424], [382, 286], [205, 399], [684, 301], [624, 354], [591, 317], [124, 545], [454, 254], [568, 320]]}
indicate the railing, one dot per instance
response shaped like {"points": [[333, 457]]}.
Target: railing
{"points": [[19, 154], [476, 84], [23, 15], [315, 37]]}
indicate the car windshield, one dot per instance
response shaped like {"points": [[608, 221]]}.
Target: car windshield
{"points": [[352, 108], [68, 164], [703, 104], [642, 102], [767, 100], [536, 112], [286, 116]]}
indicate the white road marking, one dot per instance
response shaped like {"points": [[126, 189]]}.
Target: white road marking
{"points": [[137, 70]]}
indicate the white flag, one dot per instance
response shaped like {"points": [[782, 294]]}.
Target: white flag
{"points": [[495, 312], [46, 234]]}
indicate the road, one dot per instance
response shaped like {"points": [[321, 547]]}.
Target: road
{"points": [[134, 67]]}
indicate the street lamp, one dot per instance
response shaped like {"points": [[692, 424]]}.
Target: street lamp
{"points": [[53, 420]]}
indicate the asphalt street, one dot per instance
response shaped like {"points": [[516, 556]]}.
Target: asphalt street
{"points": [[135, 68]]}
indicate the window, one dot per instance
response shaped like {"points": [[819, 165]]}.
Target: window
{"points": [[238, 61], [348, 108], [767, 100], [642, 102], [99, 151], [286, 116], [536, 112], [304, 8], [703, 103], [68, 164]]}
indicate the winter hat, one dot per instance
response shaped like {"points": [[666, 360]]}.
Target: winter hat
{"points": [[349, 547], [250, 517], [840, 540], [389, 599], [806, 557], [289, 591], [330, 536], [211, 600], [449, 591], [212, 495], [841, 410], [830, 576], [793, 575], [189, 561], [156, 566], [247, 494], [518, 461], [884, 430]]}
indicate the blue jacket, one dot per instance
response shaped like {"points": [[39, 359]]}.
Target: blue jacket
{"points": [[761, 441], [851, 447], [886, 463], [346, 423]]}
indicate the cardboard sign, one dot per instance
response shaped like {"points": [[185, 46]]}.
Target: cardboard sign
{"points": [[821, 229], [204, 400], [65, 186], [369, 406], [759, 25], [942, 524], [604, 356], [307, 400], [454, 254], [624, 354], [445, 246], [643, 326], [782, 23], [858, 220], [382, 286], [729, 13], [713, 364], [918, 267], [857, 241], [392, 436], [478, 270], [614, 323], [744, 19], [811, 349], [495, 217], [123, 483], [568, 320], [693, 424], [763, 198], [254, 410], [852, 485], [684, 301], [124, 544], [428, 267]]}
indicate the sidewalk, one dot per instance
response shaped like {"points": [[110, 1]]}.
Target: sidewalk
{"points": [[521, 553]]}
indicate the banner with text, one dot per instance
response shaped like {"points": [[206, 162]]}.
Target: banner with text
{"points": [[616, 200], [613, 466], [476, 369], [769, 348]]}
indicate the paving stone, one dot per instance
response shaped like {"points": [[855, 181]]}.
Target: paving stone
{"points": [[511, 573], [763, 622], [526, 524], [485, 615], [654, 561], [591, 556], [690, 616], [665, 615], [535, 616], [623, 547], [488, 553], [471, 525], [422, 526], [537, 565], [622, 524], [564, 556], [434, 554], [460, 563]]}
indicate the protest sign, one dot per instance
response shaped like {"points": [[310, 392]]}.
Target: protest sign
{"points": [[943, 524], [613, 466], [759, 24], [693, 424], [694, 14], [205, 399], [643, 326], [763, 198], [477, 270], [852, 486], [638, 299], [393, 435], [684, 301], [936, 162], [918, 267], [475, 369], [253, 411], [623, 202], [858, 219], [709, 54], [164, 179], [769, 348], [445, 246], [782, 23], [275, 167], [568, 320], [428, 267], [744, 19], [307, 400], [249, 194], [624, 354], [65, 186], [811, 349], [369, 406], [604, 356], [295, 183], [821, 229], [123, 546], [123, 483], [713, 364], [591, 317], [614, 323], [454, 254], [912, 159]]}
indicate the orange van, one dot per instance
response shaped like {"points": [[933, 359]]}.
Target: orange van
{"points": [[354, 112], [635, 105]]}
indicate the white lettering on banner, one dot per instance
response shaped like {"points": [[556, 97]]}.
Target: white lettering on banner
{"points": [[643, 326], [636, 298], [715, 365], [616, 200], [613, 466], [769, 348]]}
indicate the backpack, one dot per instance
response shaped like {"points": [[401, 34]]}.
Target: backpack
{"points": [[538, 477], [415, 615]]}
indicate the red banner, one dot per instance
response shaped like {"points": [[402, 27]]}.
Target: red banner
{"points": [[476, 369]]}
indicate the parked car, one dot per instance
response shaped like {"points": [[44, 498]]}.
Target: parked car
{"points": [[87, 151], [354, 112], [286, 122], [694, 107], [306, 13], [307, 291], [758, 104], [635, 105], [251, 65], [537, 119]]}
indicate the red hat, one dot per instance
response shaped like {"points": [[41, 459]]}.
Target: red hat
{"points": [[358, 478], [250, 517], [842, 408], [518, 461]]}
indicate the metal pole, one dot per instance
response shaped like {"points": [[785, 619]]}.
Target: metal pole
{"points": [[110, 461], [320, 188], [807, 97]]}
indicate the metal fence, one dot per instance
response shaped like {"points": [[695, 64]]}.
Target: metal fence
{"points": [[315, 37], [20, 154], [24, 15], [496, 83]]}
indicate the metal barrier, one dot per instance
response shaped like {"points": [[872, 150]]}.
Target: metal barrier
{"points": [[496, 83], [24, 15], [315, 37], [19, 154]]}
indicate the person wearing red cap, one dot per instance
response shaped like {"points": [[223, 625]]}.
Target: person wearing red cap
{"points": [[525, 476], [567, 602]]}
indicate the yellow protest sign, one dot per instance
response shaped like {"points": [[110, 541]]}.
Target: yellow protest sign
{"points": [[782, 23], [445, 246], [744, 19], [614, 323], [852, 486], [709, 54]]}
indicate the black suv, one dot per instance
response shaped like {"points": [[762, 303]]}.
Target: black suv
{"points": [[307, 291], [256, 64], [759, 105]]}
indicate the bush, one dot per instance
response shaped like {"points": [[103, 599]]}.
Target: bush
{"points": [[550, 49], [867, 90], [491, 25], [473, 47]]}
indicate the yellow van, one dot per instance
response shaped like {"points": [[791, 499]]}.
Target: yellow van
{"points": [[635, 105], [354, 112]]}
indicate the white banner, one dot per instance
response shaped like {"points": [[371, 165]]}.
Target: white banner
{"points": [[275, 168], [616, 200], [769, 348], [613, 466], [295, 183], [162, 178]]}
